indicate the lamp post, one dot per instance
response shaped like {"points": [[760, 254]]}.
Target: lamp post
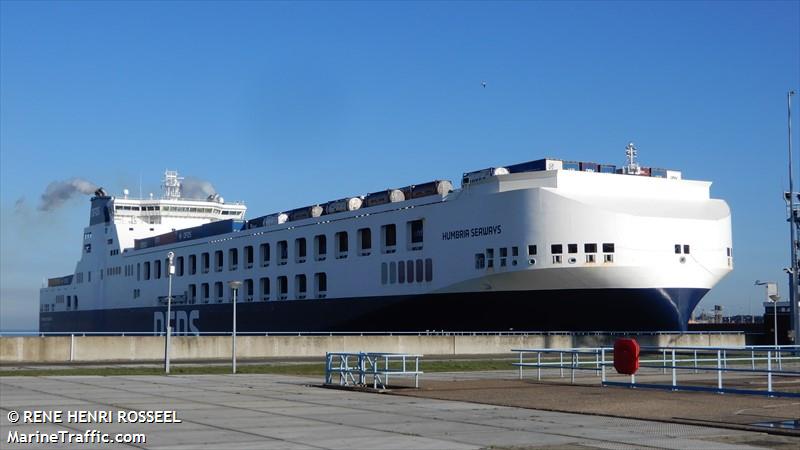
{"points": [[794, 322], [772, 295], [235, 287], [167, 343]]}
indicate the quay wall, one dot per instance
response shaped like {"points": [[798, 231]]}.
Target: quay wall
{"points": [[63, 349]]}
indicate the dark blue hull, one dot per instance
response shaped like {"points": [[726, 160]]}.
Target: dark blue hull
{"points": [[666, 309]]}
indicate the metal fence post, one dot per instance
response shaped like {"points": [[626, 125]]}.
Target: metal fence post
{"points": [[572, 380], [769, 371], [753, 359], [71, 347], [674, 370], [664, 364], [561, 363], [603, 365], [520, 365], [695, 361], [539, 366], [719, 370]]}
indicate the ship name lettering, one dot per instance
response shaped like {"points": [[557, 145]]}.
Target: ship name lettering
{"points": [[472, 232]]}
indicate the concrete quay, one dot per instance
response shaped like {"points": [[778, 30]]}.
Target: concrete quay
{"points": [[79, 348], [282, 412]]}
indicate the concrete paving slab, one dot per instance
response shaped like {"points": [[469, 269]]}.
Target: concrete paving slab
{"points": [[282, 412]]}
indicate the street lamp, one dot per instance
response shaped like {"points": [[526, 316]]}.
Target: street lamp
{"points": [[167, 343], [235, 285], [772, 294]]}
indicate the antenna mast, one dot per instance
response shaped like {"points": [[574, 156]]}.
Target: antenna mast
{"points": [[172, 185], [632, 168]]}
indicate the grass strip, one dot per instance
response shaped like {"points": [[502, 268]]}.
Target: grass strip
{"points": [[304, 369]]}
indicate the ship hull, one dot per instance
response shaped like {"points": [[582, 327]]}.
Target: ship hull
{"points": [[652, 309]]}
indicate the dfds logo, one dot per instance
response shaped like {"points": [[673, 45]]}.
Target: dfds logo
{"points": [[185, 322]]}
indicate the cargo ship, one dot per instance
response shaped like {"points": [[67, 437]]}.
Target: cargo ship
{"points": [[544, 245]]}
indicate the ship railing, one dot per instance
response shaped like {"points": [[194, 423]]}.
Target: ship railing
{"points": [[755, 369], [362, 369]]}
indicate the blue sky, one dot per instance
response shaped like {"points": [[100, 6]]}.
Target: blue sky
{"points": [[286, 104]]}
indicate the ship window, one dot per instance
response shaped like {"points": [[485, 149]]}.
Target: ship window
{"points": [[572, 248], [480, 260], [300, 286], [531, 250], [384, 273], [218, 290], [87, 248], [341, 245], [264, 288], [205, 291], [392, 272], [409, 271], [420, 270], [263, 250], [677, 249], [192, 264], [157, 269], [300, 249], [109, 241], [248, 256], [76, 302], [556, 249], [233, 258], [138, 273], [179, 268], [283, 252], [590, 248], [320, 247], [556, 259], [608, 248], [321, 284], [590, 258], [69, 301], [686, 249], [248, 290], [283, 287], [218, 260], [389, 238], [514, 251], [401, 272], [205, 262], [608, 258], [503, 252], [415, 234], [428, 269], [192, 292], [729, 251], [146, 270], [365, 241]]}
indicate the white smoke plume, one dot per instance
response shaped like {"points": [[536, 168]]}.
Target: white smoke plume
{"points": [[196, 188], [58, 192]]}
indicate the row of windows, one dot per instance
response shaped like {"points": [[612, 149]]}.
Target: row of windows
{"points": [[216, 292], [341, 250], [486, 259], [409, 271], [71, 300]]}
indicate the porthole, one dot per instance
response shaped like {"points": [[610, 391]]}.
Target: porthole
{"points": [[572, 260], [531, 261], [683, 260]]}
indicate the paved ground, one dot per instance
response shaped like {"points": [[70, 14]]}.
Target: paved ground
{"points": [[271, 411], [587, 397]]}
